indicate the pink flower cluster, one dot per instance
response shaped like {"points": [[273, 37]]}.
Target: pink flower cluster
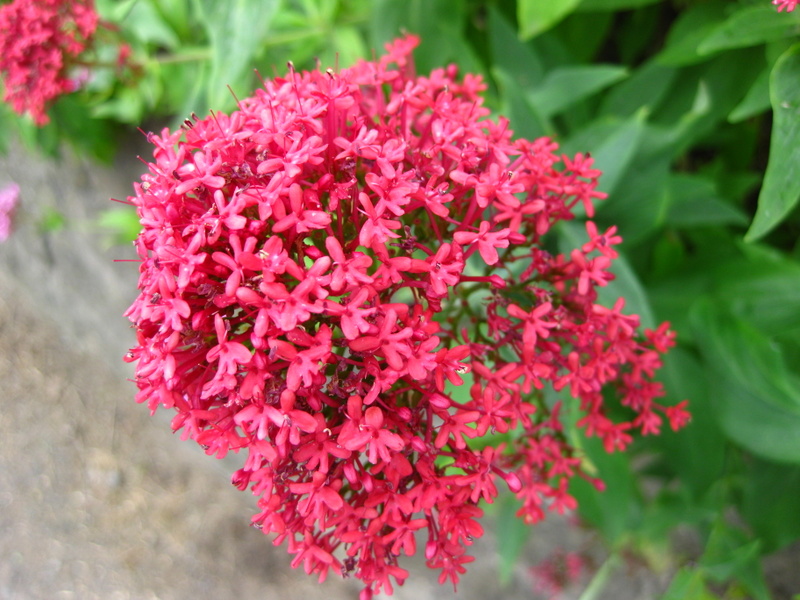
{"points": [[348, 279], [40, 41], [787, 5]]}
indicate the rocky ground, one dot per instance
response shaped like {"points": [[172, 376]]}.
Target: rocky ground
{"points": [[100, 501]]}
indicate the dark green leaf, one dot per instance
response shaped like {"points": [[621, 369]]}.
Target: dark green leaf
{"points": [[694, 202], [757, 403], [565, 86], [771, 495], [781, 189], [693, 25], [525, 119], [612, 5], [511, 56], [749, 26], [755, 102], [535, 16]]}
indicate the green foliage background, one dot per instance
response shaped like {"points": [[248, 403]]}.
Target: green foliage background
{"points": [[692, 110]]}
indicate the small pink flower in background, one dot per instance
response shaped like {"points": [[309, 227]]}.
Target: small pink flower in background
{"points": [[40, 42], [557, 572], [787, 5], [349, 280], [9, 198]]}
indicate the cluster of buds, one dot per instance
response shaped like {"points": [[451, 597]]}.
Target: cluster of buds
{"points": [[348, 280]]}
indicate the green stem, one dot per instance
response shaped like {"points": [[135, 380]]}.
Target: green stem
{"points": [[600, 579]]}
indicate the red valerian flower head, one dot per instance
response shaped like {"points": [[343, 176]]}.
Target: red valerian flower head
{"points": [[40, 42], [347, 280]]}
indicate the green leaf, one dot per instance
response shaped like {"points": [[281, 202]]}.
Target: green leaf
{"points": [[684, 379], [771, 492], [526, 120], [565, 86], [755, 102], [688, 584], [645, 88], [123, 223], [511, 536], [536, 16], [145, 23], [731, 555], [693, 25], [509, 55], [616, 511], [749, 26], [781, 189], [613, 5], [760, 288], [238, 29], [694, 201], [757, 402]]}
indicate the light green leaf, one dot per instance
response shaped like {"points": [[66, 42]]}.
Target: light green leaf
{"points": [[615, 154], [750, 26], [238, 29], [511, 536], [536, 16], [688, 584], [781, 189], [612, 5], [757, 401], [565, 86]]}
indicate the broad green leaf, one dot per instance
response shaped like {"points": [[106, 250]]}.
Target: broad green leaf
{"points": [[535, 16], [781, 189], [684, 379], [145, 23], [511, 536], [732, 555], [693, 25], [511, 56], [757, 402], [617, 511], [694, 201], [749, 26], [615, 154], [526, 120], [646, 87], [565, 86], [755, 102], [761, 288], [771, 493], [440, 25], [688, 584], [238, 29], [612, 5]]}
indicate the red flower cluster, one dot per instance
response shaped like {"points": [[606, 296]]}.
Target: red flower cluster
{"points": [[787, 5], [40, 41], [323, 269]]}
